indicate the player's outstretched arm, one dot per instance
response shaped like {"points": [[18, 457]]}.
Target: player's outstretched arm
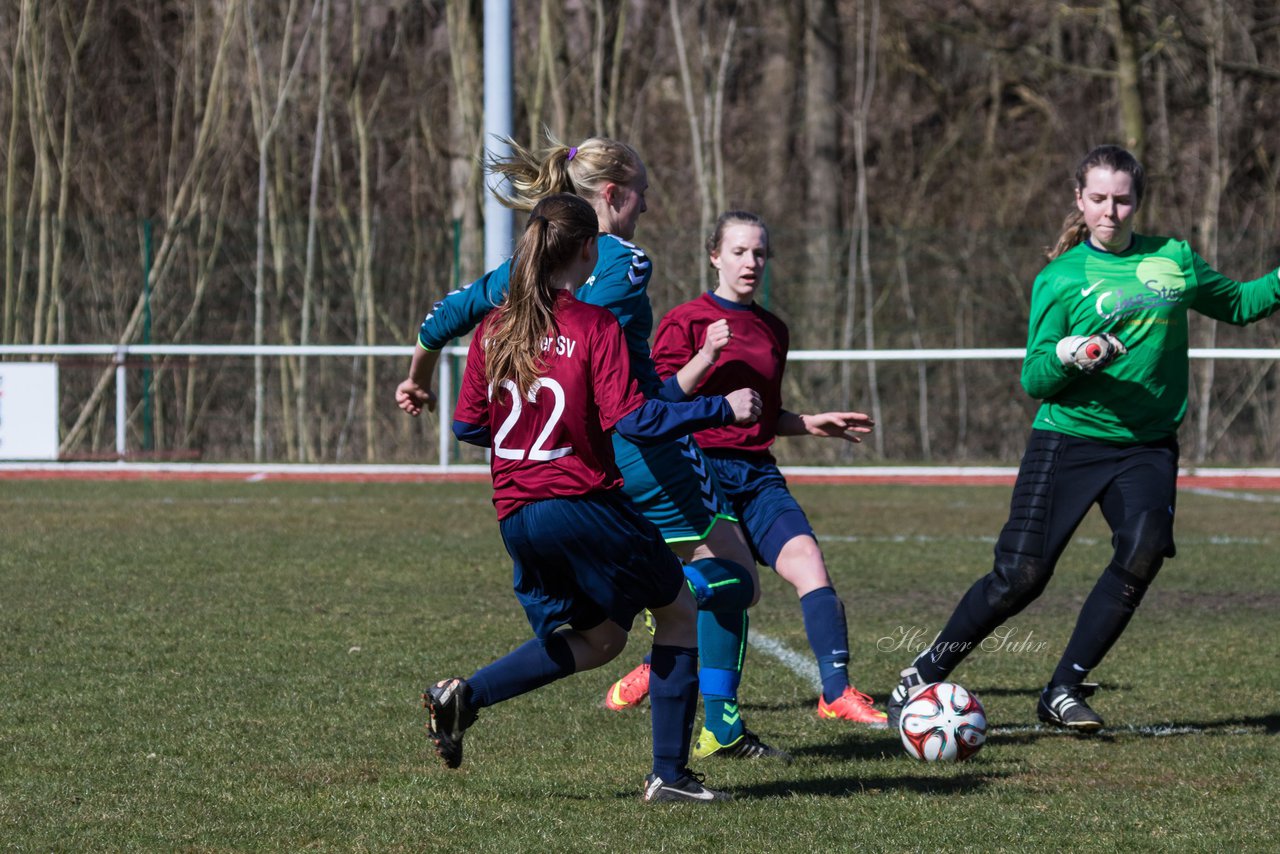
{"points": [[416, 391], [829, 425], [661, 420], [457, 314]]}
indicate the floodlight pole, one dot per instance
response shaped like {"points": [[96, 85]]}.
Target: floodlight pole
{"points": [[499, 227]]}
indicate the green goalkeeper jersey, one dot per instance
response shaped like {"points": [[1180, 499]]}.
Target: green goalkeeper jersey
{"points": [[1141, 296]]}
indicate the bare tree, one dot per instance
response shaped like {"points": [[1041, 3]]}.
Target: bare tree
{"points": [[706, 121], [866, 26], [184, 201], [823, 179], [305, 448], [38, 73], [267, 121], [1124, 27], [465, 120], [549, 75], [363, 118], [1208, 224], [13, 271], [959, 155]]}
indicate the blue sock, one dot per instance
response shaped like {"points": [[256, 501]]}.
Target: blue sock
{"points": [[673, 702], [722, 646], [824, 623], [529, 666]]}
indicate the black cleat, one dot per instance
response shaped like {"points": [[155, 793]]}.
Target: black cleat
{"points": [[1064, 706], [909, 684], [687, 787], [450, 715]]}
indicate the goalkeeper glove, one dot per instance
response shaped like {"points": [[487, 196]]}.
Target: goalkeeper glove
{"points": [[1090, 353]]}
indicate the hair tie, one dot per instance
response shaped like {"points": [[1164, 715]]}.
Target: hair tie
{"points": [[572, 151]]}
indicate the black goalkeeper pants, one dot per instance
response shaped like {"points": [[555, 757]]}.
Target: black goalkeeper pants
{"points": [[1060, 478]]}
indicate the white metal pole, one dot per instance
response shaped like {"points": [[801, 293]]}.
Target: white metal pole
{"points": [[499, 226], [444, 406], [122, 406]]}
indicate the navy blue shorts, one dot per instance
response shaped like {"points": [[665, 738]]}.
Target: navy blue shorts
{"points": [[769, 515], [582, 560]]}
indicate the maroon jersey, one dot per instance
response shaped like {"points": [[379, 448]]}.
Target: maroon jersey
{"points": [[555, 442], [755, 357]]}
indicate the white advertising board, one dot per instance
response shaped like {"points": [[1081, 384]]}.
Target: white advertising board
{"points": [[28, 411]]}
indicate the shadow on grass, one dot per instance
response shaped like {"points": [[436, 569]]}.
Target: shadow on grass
{"points": [[839, 787], [1270, 723], [851, 785], [868, 745], [843, 787]]}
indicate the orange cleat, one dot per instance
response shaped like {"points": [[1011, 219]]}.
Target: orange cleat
{"points": [[628, 691], [855, 706]]}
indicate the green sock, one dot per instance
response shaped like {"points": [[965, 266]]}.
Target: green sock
{"points": [[722, 645]]}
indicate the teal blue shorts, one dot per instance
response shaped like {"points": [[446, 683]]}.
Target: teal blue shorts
{"points": [[673, 486]]}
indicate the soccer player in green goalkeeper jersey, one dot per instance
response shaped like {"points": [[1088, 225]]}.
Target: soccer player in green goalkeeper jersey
{"points": [[1107, 358]]}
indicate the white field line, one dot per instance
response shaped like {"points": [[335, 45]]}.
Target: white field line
{"points": [[1252, 497], [958, 473], [918, 539], [802, 666], [807, 671], [1160, 731]]}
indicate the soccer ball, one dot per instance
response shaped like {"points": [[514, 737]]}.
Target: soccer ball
{"points": [[943, 723]]}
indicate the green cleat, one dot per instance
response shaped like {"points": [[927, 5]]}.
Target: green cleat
{"points": [[746, 746]]}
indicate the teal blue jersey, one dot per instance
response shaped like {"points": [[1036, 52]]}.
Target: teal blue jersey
{"points": [[1141, 296], [619, 283]]}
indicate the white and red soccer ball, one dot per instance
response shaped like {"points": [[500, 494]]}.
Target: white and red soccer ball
{"points": [[943, 723]]}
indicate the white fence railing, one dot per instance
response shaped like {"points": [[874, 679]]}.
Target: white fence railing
{"points": [[445, 381]]}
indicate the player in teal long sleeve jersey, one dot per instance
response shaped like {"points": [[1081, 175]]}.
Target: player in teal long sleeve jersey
{"points": [[1107, 358], [670, 482]]}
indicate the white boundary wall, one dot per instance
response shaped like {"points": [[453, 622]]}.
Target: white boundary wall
{"points": [[28, 411], [445, 380]]}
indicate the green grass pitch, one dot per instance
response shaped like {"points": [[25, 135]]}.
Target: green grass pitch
{"points": [[237, 666]]}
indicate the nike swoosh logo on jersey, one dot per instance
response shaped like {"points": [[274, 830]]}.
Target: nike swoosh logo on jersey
{"points": [[1084, 292]]}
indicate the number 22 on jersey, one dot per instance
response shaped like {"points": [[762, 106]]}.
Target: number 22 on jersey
{"points": [[538, 452]]}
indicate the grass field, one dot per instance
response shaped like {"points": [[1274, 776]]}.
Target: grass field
{"points": [[237, 666]]}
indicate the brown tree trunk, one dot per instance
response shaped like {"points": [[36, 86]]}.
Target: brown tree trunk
{"points": [[821, 164], [1124, 26]]}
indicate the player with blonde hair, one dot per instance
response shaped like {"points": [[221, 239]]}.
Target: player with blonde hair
{"points": [[545, 384]]}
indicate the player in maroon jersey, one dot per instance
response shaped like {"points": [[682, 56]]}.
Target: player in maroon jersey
{"points": [[546, 381], [722, 340]]}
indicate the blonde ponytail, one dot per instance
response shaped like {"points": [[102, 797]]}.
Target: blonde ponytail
{"points": [[582, 169]]}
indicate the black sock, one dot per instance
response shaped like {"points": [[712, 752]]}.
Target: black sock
{"points": [[1101, 622], [972, 620]]}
